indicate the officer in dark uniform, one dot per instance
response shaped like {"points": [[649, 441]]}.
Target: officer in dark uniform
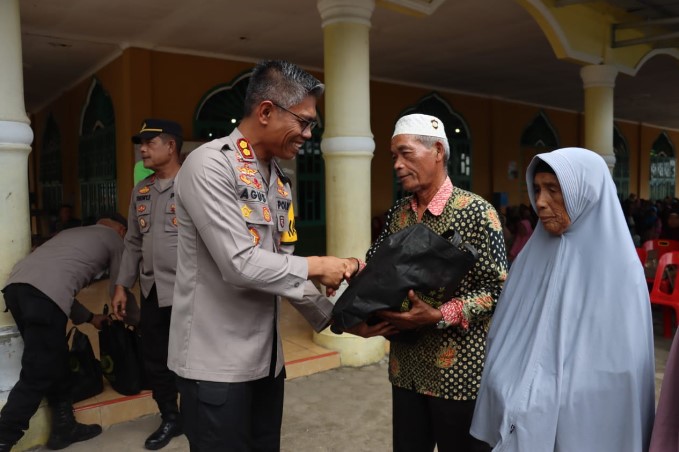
{"points": [[151, 254]]}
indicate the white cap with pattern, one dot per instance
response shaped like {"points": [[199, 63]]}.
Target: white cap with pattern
{"points": [[418, 124]]}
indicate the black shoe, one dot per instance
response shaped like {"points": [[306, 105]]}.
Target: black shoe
{"points": [[65, 429], [78, 432], [160, 438]]}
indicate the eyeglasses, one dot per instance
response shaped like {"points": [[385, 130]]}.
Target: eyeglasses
{"points": [[302, 122]]}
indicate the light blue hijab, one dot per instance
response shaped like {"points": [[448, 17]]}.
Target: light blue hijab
{"points": [[570, 364]]}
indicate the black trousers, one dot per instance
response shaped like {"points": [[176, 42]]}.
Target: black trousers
{"points": [[154, 326], [234, 417], [44, 363], [422, 421]]}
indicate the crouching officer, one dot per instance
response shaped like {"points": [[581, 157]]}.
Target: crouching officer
{"points": [[151, 254], [39, 294]]}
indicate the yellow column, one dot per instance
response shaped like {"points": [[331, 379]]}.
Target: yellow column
{"points": [[598, 82], [15, 232], [348, 147]]}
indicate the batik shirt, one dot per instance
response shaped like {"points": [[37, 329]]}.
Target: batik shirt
{"points": [[448, 362]]}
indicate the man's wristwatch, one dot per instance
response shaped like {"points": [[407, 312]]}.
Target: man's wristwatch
{"points": [[441, 325]]}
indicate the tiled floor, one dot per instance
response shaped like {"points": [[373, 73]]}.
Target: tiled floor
{"points": [[302, 356]]}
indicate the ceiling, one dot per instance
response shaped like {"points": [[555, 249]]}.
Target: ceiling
{"points": [[482, 47]]}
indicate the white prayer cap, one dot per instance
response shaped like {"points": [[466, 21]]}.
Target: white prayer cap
{"points": [[418, 124]]}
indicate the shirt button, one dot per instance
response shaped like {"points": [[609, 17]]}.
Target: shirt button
{"points": [[296, 284]]}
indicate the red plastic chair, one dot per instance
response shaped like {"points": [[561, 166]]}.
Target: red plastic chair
{"points": [[654, 251], [665, 291], [641, 252]]}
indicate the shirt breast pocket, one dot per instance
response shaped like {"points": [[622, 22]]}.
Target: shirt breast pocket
{"points": [[144, 216], [170, 216], [258, 219]]}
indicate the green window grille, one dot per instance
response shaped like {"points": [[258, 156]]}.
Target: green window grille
{"points": [[621, 168], [50, 167], [221, 110], [97, 155], [457, 131], [662, 179], [538, 137]]}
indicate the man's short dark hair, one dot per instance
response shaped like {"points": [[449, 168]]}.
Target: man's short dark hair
{"points": [[281, 82]]}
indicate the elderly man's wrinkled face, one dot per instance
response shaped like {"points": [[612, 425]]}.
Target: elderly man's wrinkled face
{"points": [[550, 203], [417, 167]]}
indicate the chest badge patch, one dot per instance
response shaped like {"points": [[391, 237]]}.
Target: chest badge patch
{"points": [[267, 213], [246, 211], [144, 190], [245, 169], [244, 149], [281, 187], [255, 236], [142, 223], [141, 208], [174, 221], [245, 179]]}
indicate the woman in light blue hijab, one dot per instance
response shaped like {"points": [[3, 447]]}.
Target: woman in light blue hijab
{"points": [[569, 364]]}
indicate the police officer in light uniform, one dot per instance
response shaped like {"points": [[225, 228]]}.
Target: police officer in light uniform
{"points": [[151, 253], [235, 217], [40, 295]]}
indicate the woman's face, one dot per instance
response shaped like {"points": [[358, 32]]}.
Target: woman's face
{"points": [[550, 204]]}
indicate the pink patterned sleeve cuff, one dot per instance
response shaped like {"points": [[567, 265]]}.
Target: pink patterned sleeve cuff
{"points": [[452, 314]]}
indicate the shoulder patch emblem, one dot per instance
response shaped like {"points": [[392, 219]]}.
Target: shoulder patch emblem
{"points": [[244, 149]]}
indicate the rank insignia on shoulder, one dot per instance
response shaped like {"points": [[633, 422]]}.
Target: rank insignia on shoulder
{"points": [[255, 236], [246, 211], [244, 149], [144, 190], [267, 213]]}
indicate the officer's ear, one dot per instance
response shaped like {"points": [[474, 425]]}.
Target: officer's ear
{"points": [[264, 112]]}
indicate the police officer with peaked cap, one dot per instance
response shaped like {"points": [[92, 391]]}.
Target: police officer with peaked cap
{"points": [[151, 254]]}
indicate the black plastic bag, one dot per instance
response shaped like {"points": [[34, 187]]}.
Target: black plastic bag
{"points": [[120, 356], [414, 258], [86, 376]]}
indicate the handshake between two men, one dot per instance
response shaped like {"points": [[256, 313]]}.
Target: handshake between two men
{"points": [[331, 271]]}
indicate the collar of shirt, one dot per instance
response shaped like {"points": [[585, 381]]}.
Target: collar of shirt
{"points": [[438, 202]]}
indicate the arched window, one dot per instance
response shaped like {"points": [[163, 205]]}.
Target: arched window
{"points": [[457, 131], [97, 155], [50, 167], [221, 110], [539, 136], [621, 168], [662, 179]]}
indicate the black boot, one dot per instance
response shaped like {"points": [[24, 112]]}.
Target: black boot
{"points": [[170, 427], [65, 429]]}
